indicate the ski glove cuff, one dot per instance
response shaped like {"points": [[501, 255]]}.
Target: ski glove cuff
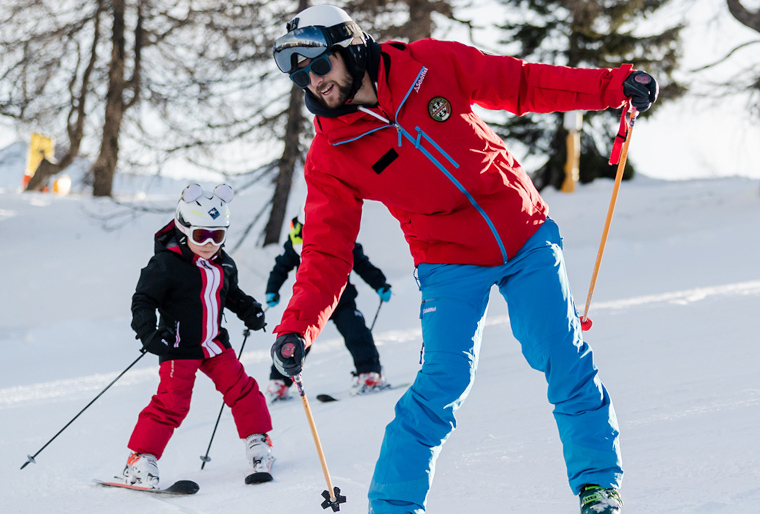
{"points": [[385, 292], [288, 352], [642, 89], [273, 299], [159, 341]]}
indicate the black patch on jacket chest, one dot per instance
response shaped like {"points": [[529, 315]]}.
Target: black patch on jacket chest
{"points": [[385, 161]]}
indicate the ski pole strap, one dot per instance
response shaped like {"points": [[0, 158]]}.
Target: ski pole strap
{"points": [[622, 134]]}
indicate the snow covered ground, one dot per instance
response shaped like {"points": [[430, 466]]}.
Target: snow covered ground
{"points": [[675, 332]]}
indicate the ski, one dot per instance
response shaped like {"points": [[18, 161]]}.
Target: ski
{"points": [[325, 398], [181, 487], [259, 477]]}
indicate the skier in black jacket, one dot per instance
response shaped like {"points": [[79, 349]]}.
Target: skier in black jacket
{"points": [[347, 318], [189, 281]]}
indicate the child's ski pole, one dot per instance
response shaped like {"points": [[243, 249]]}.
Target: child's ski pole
{"points": [[376, 313], [30, 458], [206, 458]]}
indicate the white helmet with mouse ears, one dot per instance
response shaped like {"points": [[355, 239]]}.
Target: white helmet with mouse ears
{"points": [[199, 209]]}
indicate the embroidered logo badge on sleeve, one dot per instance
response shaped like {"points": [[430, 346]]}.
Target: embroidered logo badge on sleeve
{"points": [[439, 108]]}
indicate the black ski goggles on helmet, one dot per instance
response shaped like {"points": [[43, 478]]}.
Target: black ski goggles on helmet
{"points": [[311, 42]]}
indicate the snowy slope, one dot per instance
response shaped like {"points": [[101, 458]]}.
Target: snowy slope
{"points": [[675, 332]]}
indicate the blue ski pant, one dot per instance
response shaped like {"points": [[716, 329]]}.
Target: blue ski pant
{"points": [[544, 321]]}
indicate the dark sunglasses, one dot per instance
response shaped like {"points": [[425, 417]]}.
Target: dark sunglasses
{"points": [[319, 66]]}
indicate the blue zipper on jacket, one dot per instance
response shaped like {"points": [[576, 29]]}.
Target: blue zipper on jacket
{"points": [[416, 141]]}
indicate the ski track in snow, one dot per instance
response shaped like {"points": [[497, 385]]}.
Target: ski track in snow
{"points": [[744, 399], [46, 391]]}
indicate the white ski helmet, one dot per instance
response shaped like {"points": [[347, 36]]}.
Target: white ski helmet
{"points": [[319, 29], [199, 208]]}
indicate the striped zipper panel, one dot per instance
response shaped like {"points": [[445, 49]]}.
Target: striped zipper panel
{"points": [[212, 280]]}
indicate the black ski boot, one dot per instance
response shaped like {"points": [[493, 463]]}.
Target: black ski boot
{"points": [[597, 500]]}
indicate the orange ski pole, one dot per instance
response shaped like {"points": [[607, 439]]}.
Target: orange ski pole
{"points": [[585, 321], [332, 495]]}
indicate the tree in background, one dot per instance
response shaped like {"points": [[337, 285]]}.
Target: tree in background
{"points": [[747, 79], [144, 84], [407, 20], [141, 82], [197, 88], [48, 64], [587, 34], [294, 137]]}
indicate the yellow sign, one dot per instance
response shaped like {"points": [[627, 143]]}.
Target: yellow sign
{"points": [[40, 147]]}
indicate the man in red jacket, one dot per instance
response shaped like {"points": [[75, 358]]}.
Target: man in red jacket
{"points": [[394, 123]]}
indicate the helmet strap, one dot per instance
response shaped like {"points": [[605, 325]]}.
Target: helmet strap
{"points": [[360, 59]]}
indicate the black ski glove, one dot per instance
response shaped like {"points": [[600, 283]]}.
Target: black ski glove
{"points": [[159, 341], [642, 89], [253, 317], [292, 346]]}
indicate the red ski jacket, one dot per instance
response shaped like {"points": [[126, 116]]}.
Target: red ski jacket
{"points": [[458, 194]]}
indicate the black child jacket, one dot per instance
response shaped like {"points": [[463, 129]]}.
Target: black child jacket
{"points": [[190, 294]]}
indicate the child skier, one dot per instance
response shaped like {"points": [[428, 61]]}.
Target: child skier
{"points": [[347, 318], [190, 280]]}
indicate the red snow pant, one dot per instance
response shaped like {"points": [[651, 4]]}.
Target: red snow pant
{"points": [[169, 406]]}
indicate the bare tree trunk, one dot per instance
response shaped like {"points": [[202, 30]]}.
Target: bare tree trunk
{"points": [[44, 171], [745, 16], [420, 24], [105, 166], [75, 120], [287, 166], [47, 169]]}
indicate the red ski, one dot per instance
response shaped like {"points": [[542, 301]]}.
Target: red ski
{"points": [[182, 487]]}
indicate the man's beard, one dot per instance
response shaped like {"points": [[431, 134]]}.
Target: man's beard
{"points": [[344, 92]]}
